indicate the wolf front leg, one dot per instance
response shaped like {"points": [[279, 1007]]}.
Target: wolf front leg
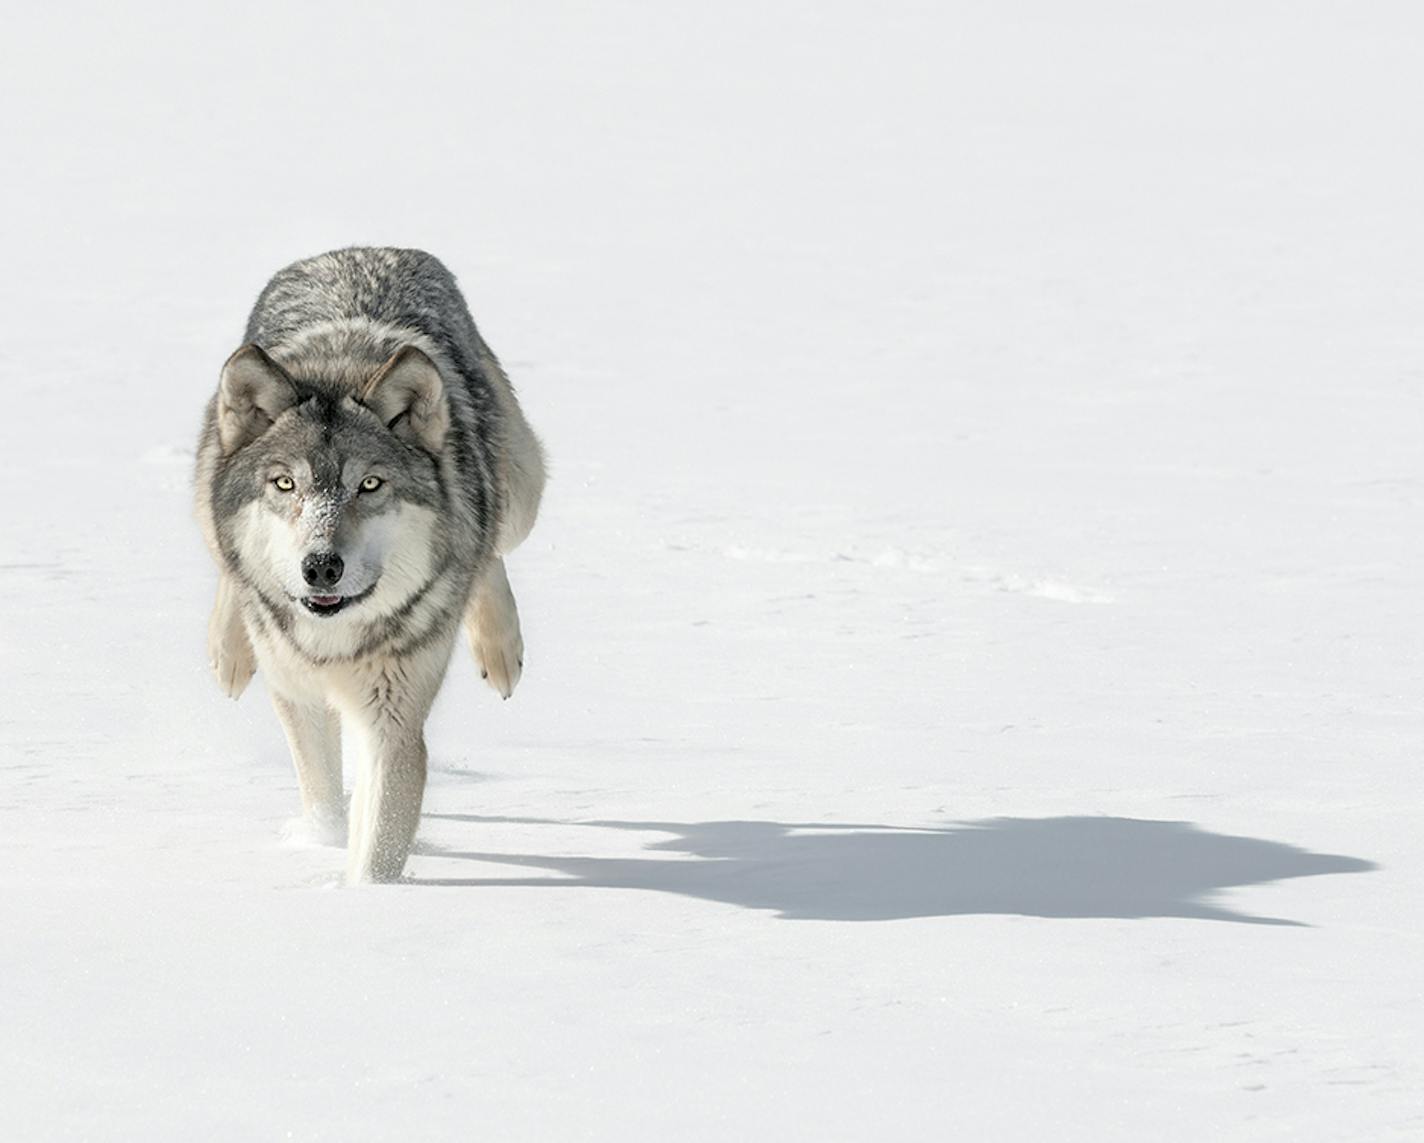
{"points": [[314, 734], [492, 626], [385, 808], [229, 651], [387, 708]]}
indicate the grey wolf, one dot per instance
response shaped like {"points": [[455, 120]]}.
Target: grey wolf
{"points": [[362, 471]]}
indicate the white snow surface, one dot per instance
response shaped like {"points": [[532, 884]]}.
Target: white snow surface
{"points": [[974, 628]]}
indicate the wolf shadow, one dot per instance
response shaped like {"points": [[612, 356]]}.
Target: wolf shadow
{"points": [[1079, 866]]}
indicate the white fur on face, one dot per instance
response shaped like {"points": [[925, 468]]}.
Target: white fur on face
{"points": [[399, 545], [268, 551]]}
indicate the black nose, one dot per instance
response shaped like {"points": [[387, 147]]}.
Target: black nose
{"points": [[322, 569]]}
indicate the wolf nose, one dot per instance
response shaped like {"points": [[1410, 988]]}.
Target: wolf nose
{"points": [[322, 569]]}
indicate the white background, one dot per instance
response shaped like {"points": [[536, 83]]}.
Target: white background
{"points": [[974, 630]]}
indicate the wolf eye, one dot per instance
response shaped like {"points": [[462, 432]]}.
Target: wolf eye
{"points": [[284, 483], [371, 483]]}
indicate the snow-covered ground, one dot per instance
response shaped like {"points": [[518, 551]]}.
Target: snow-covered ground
{"points": [[975, 633]]}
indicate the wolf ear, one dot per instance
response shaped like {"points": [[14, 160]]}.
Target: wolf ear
{"points": [[253, 392], [408, 395]]}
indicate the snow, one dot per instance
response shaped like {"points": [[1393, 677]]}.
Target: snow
{"points": [[974, 631]]}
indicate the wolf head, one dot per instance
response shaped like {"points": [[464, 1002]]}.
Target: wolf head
{"points": [[327, 500]]}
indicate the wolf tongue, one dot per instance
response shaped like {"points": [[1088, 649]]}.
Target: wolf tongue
{"points": [[324, 600]]}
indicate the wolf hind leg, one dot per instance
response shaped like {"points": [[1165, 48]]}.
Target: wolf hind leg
{"points": [[314, 733], [229, 650], [492, 627]]}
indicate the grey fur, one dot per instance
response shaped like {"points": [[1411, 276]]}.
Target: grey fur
{"points": [[364, 365]]}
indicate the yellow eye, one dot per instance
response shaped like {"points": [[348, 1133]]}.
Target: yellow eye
{"points": [[371, 483], [284, 483]]}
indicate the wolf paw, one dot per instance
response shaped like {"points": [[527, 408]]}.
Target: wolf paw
{"points": [[233, 666], [492, 626], [499, 651]]}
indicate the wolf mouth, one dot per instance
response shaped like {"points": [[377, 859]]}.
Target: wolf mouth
{"points": [[331, 604]]}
